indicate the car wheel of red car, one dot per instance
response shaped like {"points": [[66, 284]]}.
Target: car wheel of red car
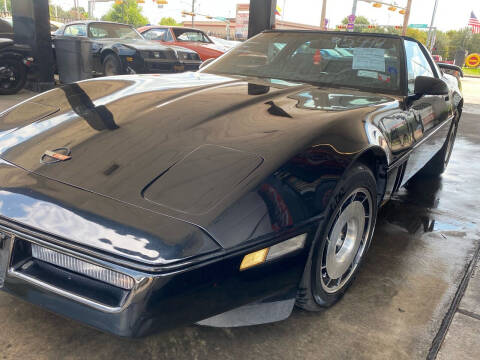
{"points": [[342, 241], [111, 65]]}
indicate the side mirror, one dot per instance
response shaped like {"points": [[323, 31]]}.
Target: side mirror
{"points": [[206, 62], [451, 69], [425, 85]]}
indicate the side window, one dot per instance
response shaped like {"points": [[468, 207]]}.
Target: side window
{"points": [[417, 64], [76, 30], [168, 36], [155, 34]]}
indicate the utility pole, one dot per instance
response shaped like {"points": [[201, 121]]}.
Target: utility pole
{"points": [[432, 31], [406, 17], [193, 13], [324, 12], [354, 7]]}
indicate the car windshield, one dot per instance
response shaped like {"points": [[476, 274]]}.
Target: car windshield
{"points": [[190, 35], [337, 60], [6, 26], [112, 31]]}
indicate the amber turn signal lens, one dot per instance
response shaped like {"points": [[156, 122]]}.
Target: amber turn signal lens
{"points": [[255, 258], [129, 58]]}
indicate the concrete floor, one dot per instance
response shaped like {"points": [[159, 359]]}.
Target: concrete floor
{"points": [[425, 239]]}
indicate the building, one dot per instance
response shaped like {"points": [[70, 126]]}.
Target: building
{"points": [[239, 25]]}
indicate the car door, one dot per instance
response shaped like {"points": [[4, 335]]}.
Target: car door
{"points": [[428, 115]]}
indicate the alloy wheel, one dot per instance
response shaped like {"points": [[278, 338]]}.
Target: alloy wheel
{"points": [[347, 240]]}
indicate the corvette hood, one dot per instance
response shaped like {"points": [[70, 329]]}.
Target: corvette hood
{"points": [[178, 144]]}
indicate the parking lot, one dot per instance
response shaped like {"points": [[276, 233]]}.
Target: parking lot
{"points": [[419, 264]]}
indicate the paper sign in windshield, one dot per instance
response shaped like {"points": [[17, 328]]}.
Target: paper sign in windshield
{"points": [[369, 59]]}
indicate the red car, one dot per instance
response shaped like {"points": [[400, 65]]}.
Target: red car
{"points": [[193, 39]]}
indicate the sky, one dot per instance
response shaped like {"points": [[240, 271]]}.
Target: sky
{"points": [[448, 17]]}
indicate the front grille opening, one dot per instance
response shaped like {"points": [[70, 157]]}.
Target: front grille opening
{"points": [[69, 274]]}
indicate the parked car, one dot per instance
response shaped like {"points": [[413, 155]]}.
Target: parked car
{"points": [[6, 29], [16, 61], [221, 197], [193, 39], [54, 25], [227, 44], [120, 49]]}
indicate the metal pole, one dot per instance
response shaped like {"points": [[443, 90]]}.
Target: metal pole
{"points": [[406, 17], [5, 5], [430, 31], [354, 7], [324, 12], [193, 13]]}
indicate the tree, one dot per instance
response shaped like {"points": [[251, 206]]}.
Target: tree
{"points": [[169, 21], [9, 6], [73, 14], [359, 20], [419, 35], [126, 12]]}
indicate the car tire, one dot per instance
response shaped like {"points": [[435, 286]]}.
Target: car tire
{"points": [[20, 72], [438, 164], [111, 65], [341, 241]]}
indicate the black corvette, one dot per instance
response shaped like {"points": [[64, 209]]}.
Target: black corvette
{"points": [[119, 49], [222, 197]]}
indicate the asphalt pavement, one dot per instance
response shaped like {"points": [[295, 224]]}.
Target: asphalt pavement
{"points": [[418, 292]]}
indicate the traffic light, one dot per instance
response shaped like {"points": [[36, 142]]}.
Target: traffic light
{"points": [[377, 5], [392, 8], [162, 2], [187, 13], [118, 2]]}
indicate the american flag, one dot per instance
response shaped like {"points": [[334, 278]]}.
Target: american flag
{"points": [[474, 23]]}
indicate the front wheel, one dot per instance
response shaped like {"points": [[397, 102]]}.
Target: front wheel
{"points": [[111, 65], [13, 76], [342, 241]]}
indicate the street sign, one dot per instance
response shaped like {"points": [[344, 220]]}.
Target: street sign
{"points": [[418, 26], [351, 22]]}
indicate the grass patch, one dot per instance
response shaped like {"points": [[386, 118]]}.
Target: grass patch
{"points": [[471, 71]]}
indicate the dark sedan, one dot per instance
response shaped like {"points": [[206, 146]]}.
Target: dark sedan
{"points": [[221, 197], [119, 49]]}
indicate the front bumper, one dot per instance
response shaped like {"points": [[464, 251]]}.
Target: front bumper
{"points": [[152, 66], [182, 295]]}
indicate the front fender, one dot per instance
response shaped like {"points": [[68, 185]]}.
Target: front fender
{"points": [[11, 55]]}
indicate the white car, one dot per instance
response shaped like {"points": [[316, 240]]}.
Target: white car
{"points": [[227, 44]]}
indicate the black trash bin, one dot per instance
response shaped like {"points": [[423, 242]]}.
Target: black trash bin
{"points": [[74, 62], [460, 56]]}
